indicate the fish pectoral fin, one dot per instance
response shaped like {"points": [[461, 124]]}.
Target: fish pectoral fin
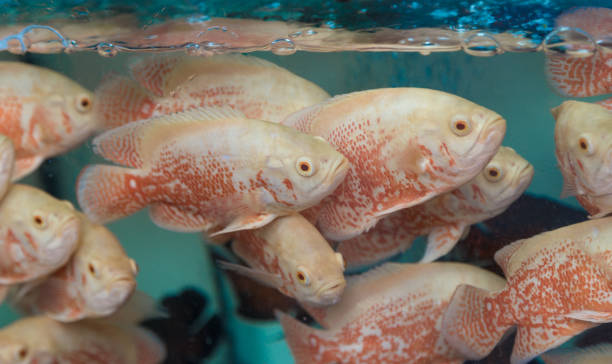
{"points": [[265, 278], [569, 188], [25, 166], [246, 223], [441, 240], [174, 218], [590, 316], [503, 255]]}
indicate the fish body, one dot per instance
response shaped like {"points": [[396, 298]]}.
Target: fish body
{"points": [[391, 314], [43, 112], [584, 76], [41, 340], [597, 354], [405, 146], [163, 85], [95, 282], [445, 217], [290, 255], [558, 286], [208, 170], [38, 234], [583, 147]]}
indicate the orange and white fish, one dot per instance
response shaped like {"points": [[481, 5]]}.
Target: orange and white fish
{"points": [[583, 141], [7, 163], [163, 85], [584, 76], [446, 217], [41, 340], [38, 234], [597, 354], [391, 314], [405, 146], [290, 255], [210, 170], [43, 112], [558, 286], [95, 282]]}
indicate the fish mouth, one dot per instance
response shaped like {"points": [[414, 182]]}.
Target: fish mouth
{"points": [[494, 132], [338, 172], [488, 141], [59, 248], [330, 293], [525, 176]]}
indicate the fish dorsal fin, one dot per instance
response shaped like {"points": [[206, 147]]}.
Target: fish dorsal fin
{"points": [[153, 73], [124, 144], [376, 273], [502, 256]]}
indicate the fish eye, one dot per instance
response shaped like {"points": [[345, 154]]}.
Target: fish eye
{"points": [[22, 353], [493, 173], [134, 266], [83, 103], [585, 145], [461, 126], [304, 167], [302, 276], [92, 269], [39, 220]]}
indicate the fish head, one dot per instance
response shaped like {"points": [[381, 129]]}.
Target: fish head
{"points": [[500, 183], [304, 169], [69, 117], [312, 271], [45, 226], [14, 351], [583, 143], [107, 274]]}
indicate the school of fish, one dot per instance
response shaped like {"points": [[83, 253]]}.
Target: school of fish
{"points": [[302, 186]]}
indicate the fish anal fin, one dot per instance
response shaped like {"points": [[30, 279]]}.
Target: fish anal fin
{"points": [[26, 165], [590, 316], [174, 218], [532, 341], [149, 348], [153, 73], [53, 299], [317, 313], [502, 256], [246, 222], [260, 276], [441, 240]]}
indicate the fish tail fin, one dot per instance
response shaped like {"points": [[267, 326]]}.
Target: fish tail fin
{"points": [[470, 324], [298, 336], [149, 348], [106, 193], [120, 100]]}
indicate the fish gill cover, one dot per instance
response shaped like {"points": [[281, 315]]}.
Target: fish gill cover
{"points": [[283, 27]]}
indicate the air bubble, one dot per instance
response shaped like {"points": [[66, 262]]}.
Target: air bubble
{"points": [[192, 49], [310, 32], [481, 44], [570, 41], [80, 13], [107, 50], [213, 47], [283, 47]]}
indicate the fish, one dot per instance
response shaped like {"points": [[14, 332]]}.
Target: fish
{"points": [[43, 112], [584, 76], [290, 254], [558, 285], [38, 234], [163, 85], [583, 148], [7, 164], [208, 170], [391, 314], [405, 146], [97, 281], [445, 218], [41, 340], [597, 354]]}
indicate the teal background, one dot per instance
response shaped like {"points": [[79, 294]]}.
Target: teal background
{"points": [[514, 85]]}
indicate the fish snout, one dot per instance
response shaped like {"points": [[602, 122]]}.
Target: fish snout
{"points": [[119, 291], [525, 176], [63, 243], [493, 133], [339, 171]]}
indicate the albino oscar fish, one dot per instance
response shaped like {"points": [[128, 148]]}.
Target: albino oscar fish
{"points": [[405, 146], [391, 314], [559, 285], [583, 147], [7, 164], [446, 217], [43, 112], [38, 234], [209, 170], [41, 340], [581, 76], [163, 85], [596, 354], [95, 282], [290, 255]]}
